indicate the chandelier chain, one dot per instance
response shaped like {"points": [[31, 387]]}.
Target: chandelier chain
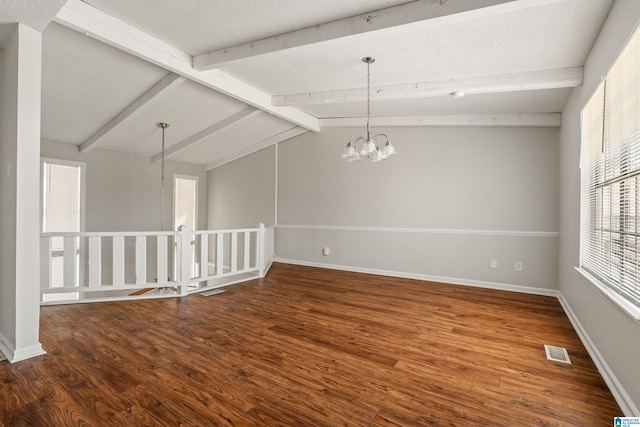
{"points": [[368, 99]]}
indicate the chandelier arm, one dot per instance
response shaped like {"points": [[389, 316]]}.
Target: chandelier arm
{"points": [[381, 134]]}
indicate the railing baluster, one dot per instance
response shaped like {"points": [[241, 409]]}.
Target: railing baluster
{"points": [[95, 260], [260, 250], [204, 255], [219, 253], [161, 266], [247, 250], [141, 260], [45, 262], [118, 260], [186, 261], [234, 252], [70, 262]]}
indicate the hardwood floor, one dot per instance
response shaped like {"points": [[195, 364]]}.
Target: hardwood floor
{"points": [[309, 347]]}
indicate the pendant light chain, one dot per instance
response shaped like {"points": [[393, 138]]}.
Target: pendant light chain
{"points": [[163, 126], [369, 98]]}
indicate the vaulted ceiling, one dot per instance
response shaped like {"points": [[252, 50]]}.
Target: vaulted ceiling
{"points": [[231, 77]]}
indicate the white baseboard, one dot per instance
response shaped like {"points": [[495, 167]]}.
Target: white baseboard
{"points": [[268, 264], [624, 400], [16, 355], [429, 278]]}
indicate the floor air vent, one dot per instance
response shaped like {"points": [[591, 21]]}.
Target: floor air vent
{"points": [[557, 354], [213, 292]]}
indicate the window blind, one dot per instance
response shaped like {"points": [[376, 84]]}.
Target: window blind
{"points": [[610, 234]]}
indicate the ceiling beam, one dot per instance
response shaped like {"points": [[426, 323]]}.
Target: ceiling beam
{"points": [[435, 11], [267, 142], [165, 85], [493, 83], [94, 23], [217, 127], [507, 120]]}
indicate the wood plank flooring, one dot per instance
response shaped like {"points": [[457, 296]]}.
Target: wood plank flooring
{"points": [[309, 347]]}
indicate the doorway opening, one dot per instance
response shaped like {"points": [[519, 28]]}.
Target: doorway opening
{"points": [[62, 210], [185, 211]]}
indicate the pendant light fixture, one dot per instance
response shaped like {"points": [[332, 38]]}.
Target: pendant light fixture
{"points": [[163, 126], [370, 148]]}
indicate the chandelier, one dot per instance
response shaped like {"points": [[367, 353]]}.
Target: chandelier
{"points": [[370, 148]]}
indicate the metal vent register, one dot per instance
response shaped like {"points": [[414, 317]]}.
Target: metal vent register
{"points": [[557, 354]]}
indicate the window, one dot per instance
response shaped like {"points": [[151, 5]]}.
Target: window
{"points": [[610, 235]]}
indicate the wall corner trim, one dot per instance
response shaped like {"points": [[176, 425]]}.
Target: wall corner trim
{"points": [[624, 400]]}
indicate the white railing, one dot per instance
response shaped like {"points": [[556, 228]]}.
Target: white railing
{"points": [[102, 266]]}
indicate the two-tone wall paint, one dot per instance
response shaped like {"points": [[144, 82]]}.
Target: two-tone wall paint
{"points": [[449, 203], [453, 200]]}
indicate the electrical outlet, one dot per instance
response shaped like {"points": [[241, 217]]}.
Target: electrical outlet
{"points": [[325, 251], [519, 266], [494, 263]]}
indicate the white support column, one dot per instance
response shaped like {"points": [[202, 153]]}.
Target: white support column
{"points": [[20, 92]]}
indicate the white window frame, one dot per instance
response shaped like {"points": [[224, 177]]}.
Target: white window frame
{"points": [[596, 255]]}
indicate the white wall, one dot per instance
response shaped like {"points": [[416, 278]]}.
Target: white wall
{"points": [[452, 200], [615, 337], [242, 193]]}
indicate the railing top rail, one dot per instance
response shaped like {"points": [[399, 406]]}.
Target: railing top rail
{"points": [[142, 233], [230, 230], [109, 233]]}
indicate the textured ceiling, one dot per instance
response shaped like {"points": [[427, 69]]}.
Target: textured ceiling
{"points": [[540, 38], [88, 83], [34, 13], [199, 26]]}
